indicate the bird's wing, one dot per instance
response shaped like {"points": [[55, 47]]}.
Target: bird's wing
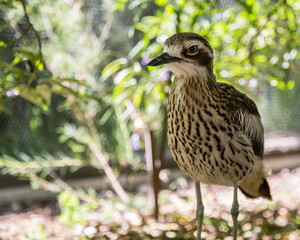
{"points": [[243, 112]]}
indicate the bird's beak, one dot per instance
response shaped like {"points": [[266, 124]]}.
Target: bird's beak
{"points": [[163, 59]]}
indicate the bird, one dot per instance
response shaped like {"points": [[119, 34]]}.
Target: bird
{"points": [[215, 133]]}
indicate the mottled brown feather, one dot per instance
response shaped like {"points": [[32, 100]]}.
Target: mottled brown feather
{"points": [[239, 104]]}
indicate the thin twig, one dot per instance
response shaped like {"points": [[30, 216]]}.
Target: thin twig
{"points": [[32, 27], [106, 29], [95, 147]]}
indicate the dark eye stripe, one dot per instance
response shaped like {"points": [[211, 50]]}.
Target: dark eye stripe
{"points": [[202, 56]]}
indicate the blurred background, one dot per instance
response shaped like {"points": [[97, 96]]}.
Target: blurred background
{"points": [[83, 145]]}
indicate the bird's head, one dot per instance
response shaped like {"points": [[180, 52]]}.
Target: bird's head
{"points": [[186, 54]]}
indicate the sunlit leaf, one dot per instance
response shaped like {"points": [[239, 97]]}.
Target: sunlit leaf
{"points": [[161, 2], [121, 75], [112, 67], [16, 60], [138, 48], [260, 59], [281, 85], [290, 85], [137, 99], [136, 3]]}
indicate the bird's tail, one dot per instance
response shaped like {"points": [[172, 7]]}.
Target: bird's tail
{"points": [[255, 184]]}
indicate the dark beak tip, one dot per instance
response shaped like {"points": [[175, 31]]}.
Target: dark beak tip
{"points": [[160, 60], [151, 63]]}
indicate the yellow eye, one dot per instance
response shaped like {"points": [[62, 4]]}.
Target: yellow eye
{"points": [[192, 50]]}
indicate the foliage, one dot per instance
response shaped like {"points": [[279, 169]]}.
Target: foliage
{"points": [[72, 211], [256, 49], [57, 65]]}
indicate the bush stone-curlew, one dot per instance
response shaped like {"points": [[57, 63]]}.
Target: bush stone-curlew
{"points": [[214, 131]]}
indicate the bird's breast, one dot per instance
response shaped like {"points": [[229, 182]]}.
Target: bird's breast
{"points": [[202, 138]]}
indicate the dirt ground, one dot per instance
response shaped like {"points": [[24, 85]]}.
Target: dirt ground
{"points": [[258, 219]]}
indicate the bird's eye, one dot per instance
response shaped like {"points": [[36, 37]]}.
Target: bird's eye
{"points": [[192, 50]]}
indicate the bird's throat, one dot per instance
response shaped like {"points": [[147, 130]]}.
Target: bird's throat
{"points": [[195, 86]]}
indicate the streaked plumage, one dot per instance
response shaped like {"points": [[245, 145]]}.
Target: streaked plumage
{"points": [[214, 131]]}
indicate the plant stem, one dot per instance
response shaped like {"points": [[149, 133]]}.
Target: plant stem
{"points": [[95, 147]]}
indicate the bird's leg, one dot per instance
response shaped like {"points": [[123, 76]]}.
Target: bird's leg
{"points": [[235, 210], [200, 209]]}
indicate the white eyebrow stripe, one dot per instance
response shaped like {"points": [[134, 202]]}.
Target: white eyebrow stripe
{"points": [[175, 50], [195, 42]]}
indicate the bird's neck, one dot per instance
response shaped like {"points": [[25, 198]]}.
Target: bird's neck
{"points": [[204, 83]]}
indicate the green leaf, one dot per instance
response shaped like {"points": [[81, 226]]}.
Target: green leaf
{"points": [[39, 65], [138, 48], [136, 3], [112, 67], [290, 85], [105, 116], [281, 85], [260, 59], [16, 60], [122, 75], [137, 99], [161, 2]]}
